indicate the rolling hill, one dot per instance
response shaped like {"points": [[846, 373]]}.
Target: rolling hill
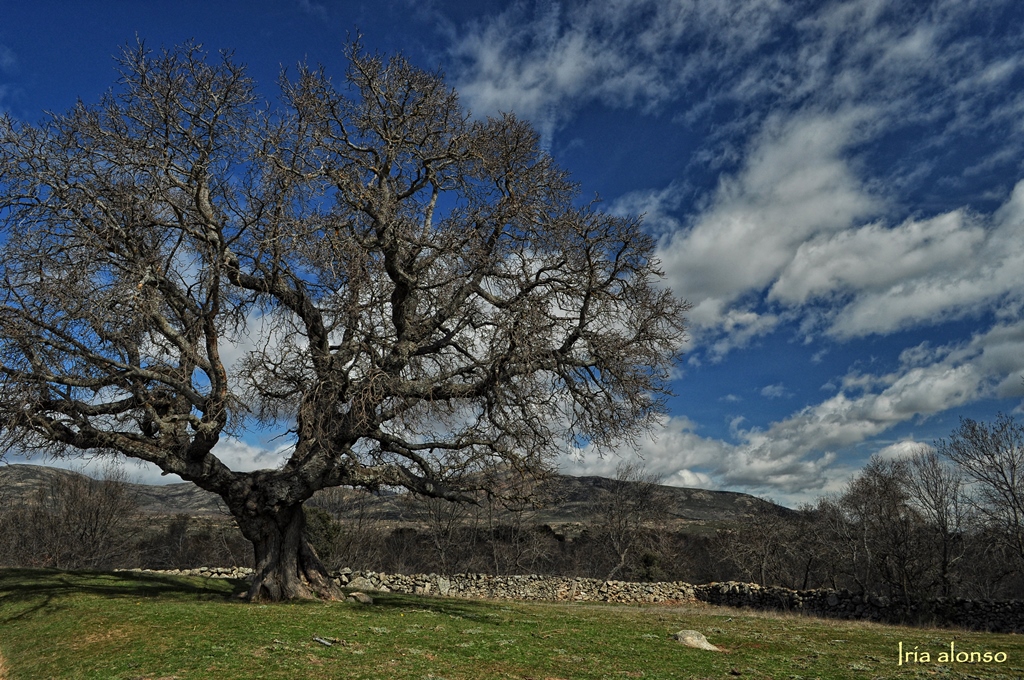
{"points": [[566, 499]]}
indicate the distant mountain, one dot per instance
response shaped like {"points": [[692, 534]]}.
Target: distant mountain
{"points": [[575, 496], [19, 482], [565, 499]]}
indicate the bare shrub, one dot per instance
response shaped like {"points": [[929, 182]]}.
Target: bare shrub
{"points": [[187, 542], [75, 522], [770, 547], [622, 520], [348, 534], [451, 529]]}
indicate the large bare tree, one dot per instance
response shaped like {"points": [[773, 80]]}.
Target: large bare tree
{"points": [[419, 294]]}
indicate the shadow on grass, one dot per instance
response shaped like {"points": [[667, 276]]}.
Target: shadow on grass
{"points": [[26, 591], [480, 612], [42, 589]]}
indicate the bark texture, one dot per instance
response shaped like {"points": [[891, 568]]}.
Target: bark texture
{"points": [[287, 566]]}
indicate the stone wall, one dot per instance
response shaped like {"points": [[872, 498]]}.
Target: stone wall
{"points": [[547, 588], [988, 615]]}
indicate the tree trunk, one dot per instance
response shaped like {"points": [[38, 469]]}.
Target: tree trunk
{"points": [[287, 566]]}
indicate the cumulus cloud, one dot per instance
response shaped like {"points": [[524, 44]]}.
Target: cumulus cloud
{"points": [[875, 258], [788, 225], [797, 456], [957, 375], [665, 452], [805, 110], [689, 479], [235, 453], [735, 328], [795, 185], [905, 448], [776, 391], [920, 272], [678, 454]]}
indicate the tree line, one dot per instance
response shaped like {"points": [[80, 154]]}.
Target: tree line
{"points": [[943, 522], [74, 522], [946, 521]]}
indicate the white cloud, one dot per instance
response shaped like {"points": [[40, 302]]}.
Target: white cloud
{"points": [[547, 65], [854, 72], [989, 365], [794, 187], [8, 60], [665, 451], [736, 328], [876, 258], [776, 391], [805, 228], [796, 457], [927, 271], [788, 224], [675, 452], [756, 57], [903, 449], [689, 479], [655, 205], [236, 454]]}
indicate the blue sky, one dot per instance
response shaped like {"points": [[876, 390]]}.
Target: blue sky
{"points": [[837, 188]]}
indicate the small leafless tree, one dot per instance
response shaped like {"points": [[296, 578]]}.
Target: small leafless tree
{"points": [[892, 529], [992, 455], [420, 293], [509, 510], [186, 542], [450, 528], [937, 491], [360, 534], [833, 542], [622, 517], [770, 547], [872, 537]]}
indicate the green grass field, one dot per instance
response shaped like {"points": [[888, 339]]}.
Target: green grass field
{"points": [[155, 627]]}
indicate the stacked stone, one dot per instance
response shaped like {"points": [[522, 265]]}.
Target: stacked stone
{"points": [[823, 602], [995, 616], [207, 572], [526, 587], [989, 615]]}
